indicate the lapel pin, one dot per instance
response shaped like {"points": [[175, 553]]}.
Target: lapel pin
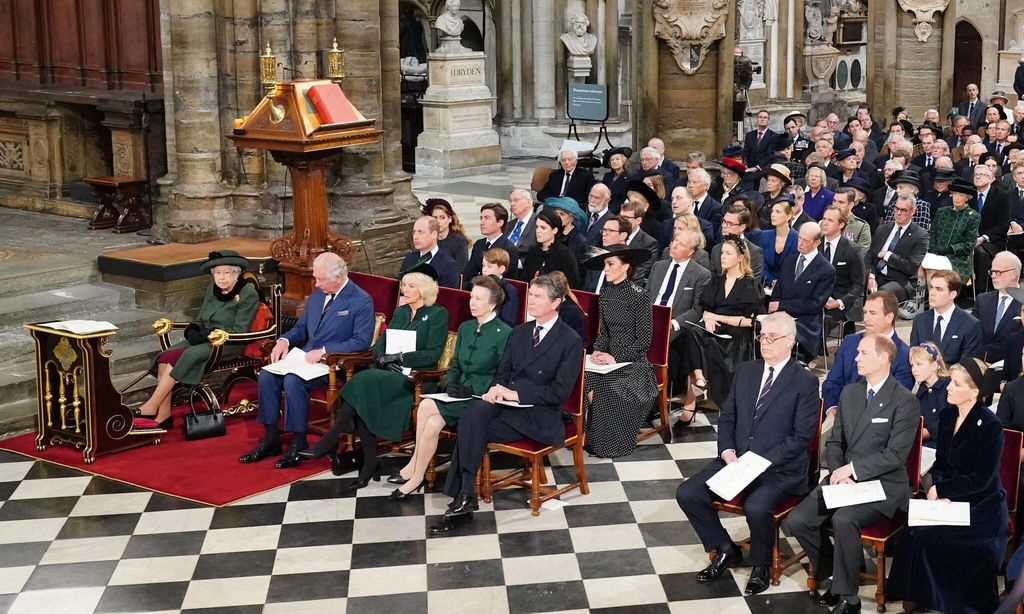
{"points": [[425, 316], [979, 422]]}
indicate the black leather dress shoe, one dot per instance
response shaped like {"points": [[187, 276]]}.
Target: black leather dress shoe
{"points": [[718, 566], [464, 504], [845, 607], [455, 502], [397, 479], [449, 523], [261, 451], [829, 599], [289, 459], [758, 582]]}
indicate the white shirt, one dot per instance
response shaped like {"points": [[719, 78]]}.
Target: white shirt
{"points": [[983, 195], [432, 252], [545, 328], [808, 258], [776, 369], [871, 390], [632, 235], [888, 240], [946, 315], [664, 284], [833, 246]]}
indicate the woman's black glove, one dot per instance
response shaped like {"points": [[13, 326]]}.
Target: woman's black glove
{"points": [[458, 391], [195, 335], [389, 361]]}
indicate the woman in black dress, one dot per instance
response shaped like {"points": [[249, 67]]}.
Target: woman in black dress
{"points": [[570, 310], [729, 308], [954, 568], [549, 254], [617, 159], [451, 236]]}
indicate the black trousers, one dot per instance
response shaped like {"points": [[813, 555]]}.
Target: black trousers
{"points": [[695, 500], [843, 560], [482, 423]]}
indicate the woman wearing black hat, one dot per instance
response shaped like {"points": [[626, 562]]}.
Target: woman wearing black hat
{"points": [[229, 305], [954, 568], [955, 229], [549, 254], [616, 160], [620, 401]]}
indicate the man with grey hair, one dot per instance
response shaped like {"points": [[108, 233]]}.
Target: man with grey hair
{"points": [[804, 286], [669, 169], [704, 206], [597, 212], [337, 317], [521, 229], [779, 385], [569, 180], [997, 310]]}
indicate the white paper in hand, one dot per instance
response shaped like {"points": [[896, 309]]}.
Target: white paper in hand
{"points": [[924, 513], [927, 459], [593, 367], [734, 477], [843, 495], [397, 341], [295, 363]]}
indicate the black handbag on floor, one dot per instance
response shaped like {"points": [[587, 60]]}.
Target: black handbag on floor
{"points": [[204, 424]]}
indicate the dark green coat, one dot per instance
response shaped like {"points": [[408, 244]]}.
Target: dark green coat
{"points": [[476, 359], [383, 399], [233, 316]]}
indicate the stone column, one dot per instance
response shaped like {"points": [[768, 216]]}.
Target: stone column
{"points": [[610, 41], [526, 54], [245, 50], [391, 99], [304, 40], [505, 90]]}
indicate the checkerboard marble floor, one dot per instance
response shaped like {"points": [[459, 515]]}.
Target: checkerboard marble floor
{"points": [[71, 542]]}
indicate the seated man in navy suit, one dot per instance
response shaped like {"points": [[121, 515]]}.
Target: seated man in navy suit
{"points": [[337, 317], [956, 332], [539, 366], [997, 310], [879, 315], [426, 250], [597, 213], [803, 288], [493, 217], [569, 180], [772, 411]]}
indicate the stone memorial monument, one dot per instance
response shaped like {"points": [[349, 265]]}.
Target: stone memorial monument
{"points": [[580, 44], [458, 137]]}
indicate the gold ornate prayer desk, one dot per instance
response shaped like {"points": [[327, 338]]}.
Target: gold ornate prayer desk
{"points": [[76, 399], [286, 124]]}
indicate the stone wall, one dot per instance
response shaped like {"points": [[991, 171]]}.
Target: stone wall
{"points": [[918, 69], [688, 105]]}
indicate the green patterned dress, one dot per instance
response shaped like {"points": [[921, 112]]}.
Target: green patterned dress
{"points": [[952, 235]]}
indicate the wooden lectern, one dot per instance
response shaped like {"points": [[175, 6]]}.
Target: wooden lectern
{"points": [[286, 124], [77, 402]]}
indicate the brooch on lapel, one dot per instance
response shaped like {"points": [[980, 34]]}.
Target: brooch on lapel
{"points": [[237, 298], [979, 422], [425, 316]]}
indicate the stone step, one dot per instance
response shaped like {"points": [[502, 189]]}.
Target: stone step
{"points": [[49, 272], [79, 300], [16, 344]]}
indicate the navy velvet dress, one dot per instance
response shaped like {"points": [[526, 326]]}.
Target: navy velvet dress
{"points": [[932, 401], [954, 569]]}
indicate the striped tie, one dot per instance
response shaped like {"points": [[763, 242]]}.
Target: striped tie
{"points": [[759, 407]]}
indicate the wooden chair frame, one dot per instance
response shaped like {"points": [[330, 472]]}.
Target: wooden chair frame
{"points": [[532, 474], [657, 355]]}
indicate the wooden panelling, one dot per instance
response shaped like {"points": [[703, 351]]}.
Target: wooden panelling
{"points": [[96, 44]]}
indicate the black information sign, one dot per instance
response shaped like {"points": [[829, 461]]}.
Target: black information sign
{"points": [[588, 102]]}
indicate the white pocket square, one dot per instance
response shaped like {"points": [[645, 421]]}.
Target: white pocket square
{"points": [[838, 263], [954, 337], [879, 420], [688, 288]]}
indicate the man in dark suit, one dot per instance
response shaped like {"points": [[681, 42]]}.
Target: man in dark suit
{"points": [[704, 206], [993, 203], [597, 213], [521, 229], [771, 411], [615, 232], [879, 316], [805, 283], [872, 437], [338, 317], [897, 249], [847, 299], [682, 203], [734, 223], [492, 224], [638, 238], [669, 169], [997, 310], [973, 108], [539, 367], [757, 144], [956, 332], [569, 180], [426, 250]]}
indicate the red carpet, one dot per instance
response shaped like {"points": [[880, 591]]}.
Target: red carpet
{"points": [[206, 471]]}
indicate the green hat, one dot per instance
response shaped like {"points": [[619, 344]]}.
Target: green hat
{"points": [[224, 257], [579, 218]]}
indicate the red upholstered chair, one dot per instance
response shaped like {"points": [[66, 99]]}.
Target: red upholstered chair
{"points": [[532, 474], [591, 316], [522, 288], [782, 509], [1009, 475], [657, 354], [879, 534]]}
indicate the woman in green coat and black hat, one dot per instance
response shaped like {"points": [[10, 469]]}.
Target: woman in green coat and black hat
{"points": [[229, 305]]}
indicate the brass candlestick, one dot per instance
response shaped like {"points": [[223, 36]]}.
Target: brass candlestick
{"points": [[336, 63], [268, 71]]}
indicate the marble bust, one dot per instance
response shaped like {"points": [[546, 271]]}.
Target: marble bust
{"points": [[577, 40], [450, 22]]}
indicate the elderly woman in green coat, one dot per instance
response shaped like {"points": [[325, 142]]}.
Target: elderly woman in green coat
{"points": [[478, 350], [954, 229], [230, 305], [378, 402]]}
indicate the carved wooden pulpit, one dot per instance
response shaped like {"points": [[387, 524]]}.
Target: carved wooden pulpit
{"points": [[286, 124]]}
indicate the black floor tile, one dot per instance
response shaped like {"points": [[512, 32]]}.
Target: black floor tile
{"points": [[547, 597], [598, 514], [235, 564], [143, 597], [42, 470], [483, 523], [28, 509], [596, 472], [403, 603], [615, 563], [103, 486], [684, 587], [791, 603], [535, 543], [160, 502], [12, 457], [22, 555], [465, 574], [315, 490], [308, 586], [691, 466], [164, 544], [511, 499], [382, 507], [238, 609], [388, 554], [646, 453], [650, 490], [647, 608], [99, 526], [71, 575], [6, 601], [6, 489], [694, 433], [248, 515], [328, 533], [678, 533]]}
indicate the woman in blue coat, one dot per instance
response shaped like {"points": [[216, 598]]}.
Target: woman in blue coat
{"points": [[779, 242]]}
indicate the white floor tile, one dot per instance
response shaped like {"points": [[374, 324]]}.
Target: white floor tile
{"points": [[463, 548], [174, 521], [241, 539], [63, 600], [606, 537], [37, 530], [85, 549], [154, 570], [226, 592], [387, 580], [624, 591], [541, 569], [319, 511], [372, 530], [312, 559], [51, 487], [119, 503], [468, 600]]}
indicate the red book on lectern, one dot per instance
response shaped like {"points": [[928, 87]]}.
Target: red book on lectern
{"points": [[331, 104]]}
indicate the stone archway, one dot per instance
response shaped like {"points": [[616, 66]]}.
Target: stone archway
{"points": [[967, 56]]}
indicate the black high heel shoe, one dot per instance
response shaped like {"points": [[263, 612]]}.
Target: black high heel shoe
{"points": [[315, 452], [397, 494], [362, 482], [397, 479]]}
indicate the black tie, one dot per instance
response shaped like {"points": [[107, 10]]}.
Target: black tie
{"points": [[871, 396], [667, 294], [999, 148], [536, 335], [764, 392], [593, 220], [565, 183], [937, 334], [828, 252], [327, 303]]}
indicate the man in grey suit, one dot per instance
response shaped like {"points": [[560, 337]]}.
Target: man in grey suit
{"points": [[734, 223], [874, 429], [639, 239]]}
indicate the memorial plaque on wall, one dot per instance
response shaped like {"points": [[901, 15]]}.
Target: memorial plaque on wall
{"points": [[587, 102]]}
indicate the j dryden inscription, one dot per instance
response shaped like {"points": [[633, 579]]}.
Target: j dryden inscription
{"points": [[461, 73]]}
